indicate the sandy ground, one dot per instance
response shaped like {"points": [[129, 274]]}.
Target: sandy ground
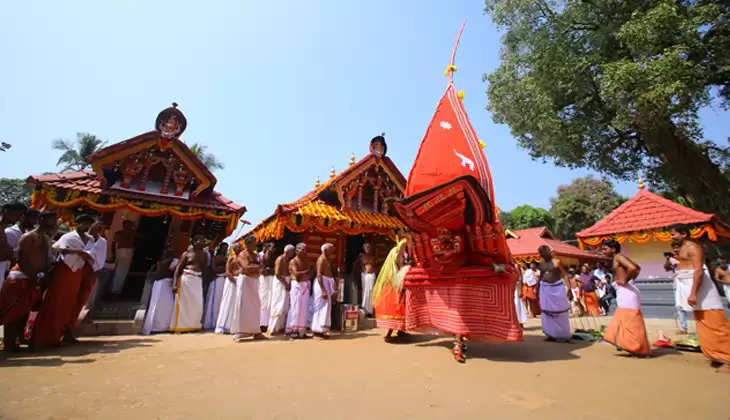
{"points": [[356, 376]]}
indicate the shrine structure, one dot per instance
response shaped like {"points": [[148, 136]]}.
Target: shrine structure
{"points": [[462, 280], [523, 245], [641, 226], [155, 181], [349, 209]]}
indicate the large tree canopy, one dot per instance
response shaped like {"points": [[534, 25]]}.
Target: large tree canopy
{"points": [[525, 217], [616, 86], [581, 204]]}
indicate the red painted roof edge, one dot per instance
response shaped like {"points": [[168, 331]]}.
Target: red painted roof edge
{"points": [[698, 216]]}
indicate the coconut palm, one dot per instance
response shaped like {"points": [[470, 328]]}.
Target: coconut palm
{"points": [[208, 159], [75, 155]]}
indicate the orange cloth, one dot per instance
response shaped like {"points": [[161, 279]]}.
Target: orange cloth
{"points": [[591, 300], [57, 310], [88, 280], [390, 309], [529, 293], [627, 331], [713, 330]]}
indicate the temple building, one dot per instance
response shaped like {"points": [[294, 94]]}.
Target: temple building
{"points": [[153, 180], [641, 226], [523, 245], [350, 208]]}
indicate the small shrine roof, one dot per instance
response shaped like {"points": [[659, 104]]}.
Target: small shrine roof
{"points": [[87, 181], [645, 211], [527, 242]]}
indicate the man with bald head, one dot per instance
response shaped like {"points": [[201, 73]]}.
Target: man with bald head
{"points": [[324, 287]]}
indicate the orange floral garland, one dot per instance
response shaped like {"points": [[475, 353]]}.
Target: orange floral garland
{"points": [[643, 237]]}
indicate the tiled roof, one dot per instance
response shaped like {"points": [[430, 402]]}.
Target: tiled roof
{"points": [[86, 181], [529, 240], [314, 194], [645, 211]]}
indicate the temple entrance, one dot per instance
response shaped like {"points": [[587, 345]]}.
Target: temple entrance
{"points": [[153, 231]]}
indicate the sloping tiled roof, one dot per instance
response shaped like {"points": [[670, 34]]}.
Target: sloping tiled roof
{"points": [[313, 195], [86, 181], [645, 211], [529, 240]]}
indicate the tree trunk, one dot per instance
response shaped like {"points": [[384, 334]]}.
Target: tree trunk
{"points": [[687, 165]]}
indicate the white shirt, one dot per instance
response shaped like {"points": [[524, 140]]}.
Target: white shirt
{"points": [[98, 250], [12, 235], [530, 278], [72, 240]]}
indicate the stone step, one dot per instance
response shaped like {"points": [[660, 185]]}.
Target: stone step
{"points": [[107, 327]]}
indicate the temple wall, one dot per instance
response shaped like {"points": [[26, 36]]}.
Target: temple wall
{"points": [[650, 256]]}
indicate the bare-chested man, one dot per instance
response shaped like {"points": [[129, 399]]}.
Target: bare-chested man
{"points": [[266, 281], [300, 272], [280, 291], [696, 292], [228, 299], [554, 304], [216, 286], [368, 274], [123, 248], [247, 314], [26, 281], [187, 287], [324, 287], [722, 275], [626, 330]]}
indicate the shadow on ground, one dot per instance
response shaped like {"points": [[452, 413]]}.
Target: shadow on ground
{"points": [[533, 349], [58, 356]]}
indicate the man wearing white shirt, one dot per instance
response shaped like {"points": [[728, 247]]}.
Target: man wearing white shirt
{"points": [[97, 247], [28, 223], [11, 214]]}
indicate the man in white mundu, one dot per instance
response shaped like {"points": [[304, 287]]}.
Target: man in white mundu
{"points": [[324, 287], [188, 288], [300, 272], [280, 291], [162, 301], [247, 311], [228, 298], [215, 288], [368, 275], [266, 281]]}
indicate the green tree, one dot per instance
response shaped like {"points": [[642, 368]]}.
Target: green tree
{"points": [[616, 86], [75, 156], [581, 204], [14, 190], [208, 159], [525, 217]]}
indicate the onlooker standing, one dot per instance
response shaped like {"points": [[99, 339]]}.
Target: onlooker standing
{"points": [[722, 275], [123, 248], [671, 265]]}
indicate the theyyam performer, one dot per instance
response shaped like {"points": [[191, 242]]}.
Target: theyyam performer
{"points": [[462, 279], [388, 294]]}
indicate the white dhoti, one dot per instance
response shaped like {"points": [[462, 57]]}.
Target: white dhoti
{"points": [[707, 296], [213, 302], [368, 281], [279, 307], [161, 307], [188, 303], [265, 283], [322, 318], [296, 321], [247, 310], [227, 306], [520, 308], [123, 262]]}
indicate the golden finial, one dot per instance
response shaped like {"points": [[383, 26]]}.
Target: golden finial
{"points": [[641, 183], [352, 159], [317, 183], [332, 172]]}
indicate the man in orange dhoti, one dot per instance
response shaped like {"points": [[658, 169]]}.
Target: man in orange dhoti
{"points": [[59, 309], [388, 296], [695, 290], [529, 289], [590, 298], [626, 330]]}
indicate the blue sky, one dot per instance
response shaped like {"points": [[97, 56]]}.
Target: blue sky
{"points": [[279, 91]]}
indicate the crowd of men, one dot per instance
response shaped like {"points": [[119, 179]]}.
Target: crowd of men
{"points": [[52, 279], [251, 292]]}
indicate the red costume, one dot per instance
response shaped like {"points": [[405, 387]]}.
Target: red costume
{"points": [[58, 310], [462, 279], [18, 297]]}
